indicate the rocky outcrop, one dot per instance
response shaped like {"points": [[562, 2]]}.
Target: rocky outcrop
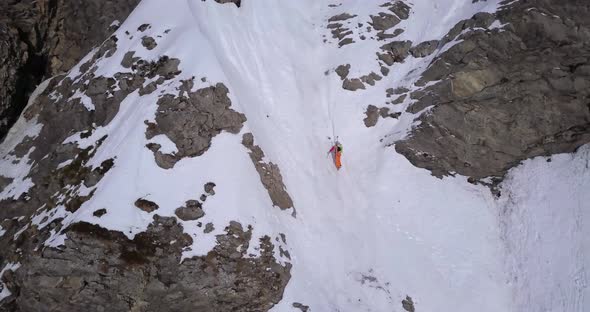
{"points": [[191, 120], [95, 269], [43, 38], [506, 94], [236, 2], [270, 174], [101, 270]]}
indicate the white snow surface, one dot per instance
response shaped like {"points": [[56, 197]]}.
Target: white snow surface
{"points": [[363, 237], [546, 226]]}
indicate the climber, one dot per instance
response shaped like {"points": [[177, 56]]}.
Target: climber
{"points": [[337, 154]]}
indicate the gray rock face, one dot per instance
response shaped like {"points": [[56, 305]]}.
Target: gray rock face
{"points": [[146, 205], [384, 21], [508, 95], [343, 71], [372, 116], [148, 42], [340, 17], [395, 52], [270, 174], [101, 270], [352, 84], [191, 120], [400, 9], [192, 210], [424, 49], [43, 38], [408, 304]]}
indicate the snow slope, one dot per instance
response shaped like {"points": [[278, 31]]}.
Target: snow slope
{"points": [[364, 237], [546, 226]]}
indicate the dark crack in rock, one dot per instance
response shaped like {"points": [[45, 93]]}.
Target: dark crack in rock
{"points": [[505, 95], [270, 174], [191, 120]]}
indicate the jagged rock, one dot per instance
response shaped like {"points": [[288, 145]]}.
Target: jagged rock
{"points": [[209, 227], [373, 113], [301, 307], [401, 90], [146, 205], [408, 304], [343, 71], [340, 17], [505, 96], [106, 271], [481, 20], [424, 49], [370, 78], [352, 84], [236, 2], [144, 27], [384, 21], [192, 120], [99, 213], [45, 38], [372, 116], [400, 99], [209, 188], [345, 41], [129, 59], [191, 211], [389, 92], [397, 52], [400, 9], [148, 42], [384, 71], [270, 174]]}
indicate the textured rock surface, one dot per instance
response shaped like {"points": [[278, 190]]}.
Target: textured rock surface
{"points": [[269, 173], [100, 270], [506, 95], [191, 120], [43, 38]]}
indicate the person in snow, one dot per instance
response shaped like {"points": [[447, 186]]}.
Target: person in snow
{"points": [[336, 151]]}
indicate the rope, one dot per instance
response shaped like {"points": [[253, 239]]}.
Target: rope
{"points": [[329, 93]]}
